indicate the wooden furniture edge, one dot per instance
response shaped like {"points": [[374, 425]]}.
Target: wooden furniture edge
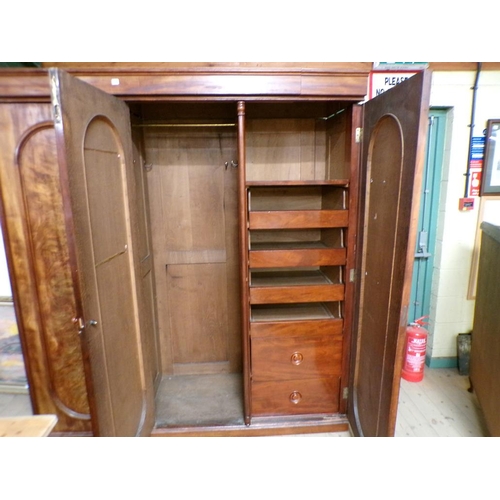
{"points": [[491, 230], [333, 424], [27, 426]]}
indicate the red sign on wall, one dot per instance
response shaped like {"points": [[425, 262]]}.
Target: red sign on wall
{"points": [[475, 181]]}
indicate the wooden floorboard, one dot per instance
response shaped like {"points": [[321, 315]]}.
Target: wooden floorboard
{"points": [[439, 406]]}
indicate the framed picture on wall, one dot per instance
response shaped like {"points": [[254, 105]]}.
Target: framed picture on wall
{"points": [[490, 185]]}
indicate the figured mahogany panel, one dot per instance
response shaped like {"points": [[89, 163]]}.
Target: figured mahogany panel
{"points": [[295, 397], [36, 245]]}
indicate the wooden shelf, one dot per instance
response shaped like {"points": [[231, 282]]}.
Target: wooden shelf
{"points": [[277, 183], [296, 255], [290, 245], [294, 294], [298, 219], [292, 312], [288, 278]]}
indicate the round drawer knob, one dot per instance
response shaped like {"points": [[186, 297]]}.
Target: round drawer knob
{"points": [[296, 358], [295, 397]]}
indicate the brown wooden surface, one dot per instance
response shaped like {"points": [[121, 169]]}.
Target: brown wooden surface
{"points": [[144, 80], [32, 426], [298, 219], [335, 81], [296, 328], [325, 152], [264, 66], [244, 260], [24, 85], [485, 347], [350, 66], [290, 312], [36, 247], [193, 202], [95, 153], [294, 357], [330, 182], [303, 257], [316, 396], [294, 277], [263, 426], [298, 293], [285, 150], [296, 196], [147, 296], [394, 146], [338, 146], [351, 162]]}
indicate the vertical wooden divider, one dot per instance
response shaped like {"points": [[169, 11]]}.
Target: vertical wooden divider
{"points": [[243, 232]]}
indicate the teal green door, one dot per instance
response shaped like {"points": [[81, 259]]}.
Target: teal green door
{"points": [[429, 210]]}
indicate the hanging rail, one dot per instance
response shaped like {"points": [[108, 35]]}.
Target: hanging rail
{"points": [[146, 124]]}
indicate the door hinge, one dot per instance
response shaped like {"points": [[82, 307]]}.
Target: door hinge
{"points": [[352, 275], [359, 134], [345, 393], [80, 324]]}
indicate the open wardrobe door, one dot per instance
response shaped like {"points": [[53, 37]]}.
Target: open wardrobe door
{"points": [[94, 150], [394, 132]]}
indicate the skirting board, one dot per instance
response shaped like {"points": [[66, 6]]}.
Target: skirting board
{"points": [[450, 362]]}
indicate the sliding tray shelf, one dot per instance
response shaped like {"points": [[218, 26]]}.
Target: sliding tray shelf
{"points": [[301, 254], [293, 286], [298, 219]]}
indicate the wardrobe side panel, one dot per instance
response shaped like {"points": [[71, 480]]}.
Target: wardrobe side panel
{"points": [[37, 252], [147, 285]]}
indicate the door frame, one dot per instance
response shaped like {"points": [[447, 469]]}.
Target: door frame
{"points": [[431, 185]]}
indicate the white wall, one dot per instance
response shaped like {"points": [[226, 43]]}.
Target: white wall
{"points": [[451, 312]]}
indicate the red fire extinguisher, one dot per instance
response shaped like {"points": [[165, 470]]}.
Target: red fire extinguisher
{"points": [[415, 347]]}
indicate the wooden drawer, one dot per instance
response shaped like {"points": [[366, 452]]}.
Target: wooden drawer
{"points": [[263, 327], [303, 257], [298, 219], [308, 356], [294, 294], [296, 397]]}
